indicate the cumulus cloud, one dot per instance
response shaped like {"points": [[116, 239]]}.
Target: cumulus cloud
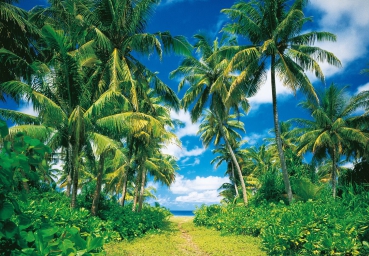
{"points": [[211, 196], [183, 185], [198, 190], [180, 152], [348, 20], [189, 128]]}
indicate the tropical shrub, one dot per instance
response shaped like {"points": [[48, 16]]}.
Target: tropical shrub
{"points": [[331, 226], [24, 227], [134, 224]]}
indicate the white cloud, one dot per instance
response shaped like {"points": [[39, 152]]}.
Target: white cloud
{"points": [[180, 152], [362, 88], [349, 21], [264, 94], [256, 138], [183, 185], [27, 108], [209, 196], [189, 128]]}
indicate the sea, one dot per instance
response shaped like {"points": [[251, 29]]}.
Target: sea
{"points": [[182, 213]]}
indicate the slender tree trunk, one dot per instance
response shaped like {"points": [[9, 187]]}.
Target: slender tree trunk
{"points": [[124, 189], [234, 180], [244, 193], [334, 172], [74, 181], [69, 184], [286, 179], [70, 168], [95, 202], [135, 195], [140, 202]]}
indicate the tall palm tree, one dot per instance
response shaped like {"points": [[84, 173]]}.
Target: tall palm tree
{"points": [[331, 131], [274, 29], [209, 84], [213, 129]]}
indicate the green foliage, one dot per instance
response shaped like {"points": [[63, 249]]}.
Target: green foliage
{"points": [[135, 224], [272, 187], [337, 227], [32, 227]]}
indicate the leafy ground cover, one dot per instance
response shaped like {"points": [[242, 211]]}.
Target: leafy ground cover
{"points": [[181, 237], [332, 227]]}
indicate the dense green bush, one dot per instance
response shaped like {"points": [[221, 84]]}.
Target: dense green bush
{"points": [[25, 229], [314, 227], [134, 224]]}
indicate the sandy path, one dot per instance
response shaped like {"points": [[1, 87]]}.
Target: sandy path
{"points": [[188, 246]]}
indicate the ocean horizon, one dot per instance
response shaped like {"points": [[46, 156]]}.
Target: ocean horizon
{"points": [[180, 213]]}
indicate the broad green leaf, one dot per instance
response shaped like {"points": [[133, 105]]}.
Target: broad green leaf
{"points": [[48, 231], [24, 222], [6, 211], [10, 229], [93, 243], [30, 237], [65, 245]]}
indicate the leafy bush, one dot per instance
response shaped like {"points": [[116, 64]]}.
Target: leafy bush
{"points": [[25, 229], [134, 224], [315, 227], [272, 188]]}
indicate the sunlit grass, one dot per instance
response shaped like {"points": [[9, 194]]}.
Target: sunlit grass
{"points": [[181, 237]]}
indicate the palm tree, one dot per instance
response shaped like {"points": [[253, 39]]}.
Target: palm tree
{"points": [[18, 36], [213, 128], [276, 42], [208, 85], [331, 132], [225, 156]]}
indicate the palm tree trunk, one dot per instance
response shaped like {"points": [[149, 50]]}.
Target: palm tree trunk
{"points": [[244, 193], [286, 178], [95, 202], [135, 194], [124, 189], [234, 181], [74, 181], [141, 198], [70, 173], [334, 183]]}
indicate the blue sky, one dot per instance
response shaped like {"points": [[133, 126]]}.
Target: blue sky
{"points": [[197, 181]]}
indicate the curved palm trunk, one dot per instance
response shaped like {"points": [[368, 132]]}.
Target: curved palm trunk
{"points": [[95, 202], [244, 193], [334, 172], [286, 179], [234, 181], [124, 189], [141, 198]]}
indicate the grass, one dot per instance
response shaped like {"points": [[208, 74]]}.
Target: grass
{"points": [[181, 237]]}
